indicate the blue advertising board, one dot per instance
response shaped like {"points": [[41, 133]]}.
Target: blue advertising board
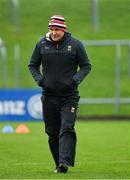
{"points": [[20, 104]]}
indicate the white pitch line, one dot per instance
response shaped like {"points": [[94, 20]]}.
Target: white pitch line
{"points": [[88, 162], [109, 161]]}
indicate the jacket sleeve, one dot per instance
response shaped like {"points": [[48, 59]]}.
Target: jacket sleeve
{"points": [[34, 65], [83, 63]]}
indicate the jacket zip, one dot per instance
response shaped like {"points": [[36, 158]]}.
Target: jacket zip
{"points": [[57, 52]]}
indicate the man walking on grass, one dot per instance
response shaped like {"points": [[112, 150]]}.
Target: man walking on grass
{"points": [[60, 55]]}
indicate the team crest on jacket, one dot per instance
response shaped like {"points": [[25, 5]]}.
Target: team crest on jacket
{"points": [[69, 47], [72, 109]]}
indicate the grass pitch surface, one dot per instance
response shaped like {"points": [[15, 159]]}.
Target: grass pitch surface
{"points": [[103, 152]]}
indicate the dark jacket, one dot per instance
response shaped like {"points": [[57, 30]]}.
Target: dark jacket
{"points": [[59, 61]]}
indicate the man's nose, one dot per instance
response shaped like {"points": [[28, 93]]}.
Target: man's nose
{"points": [[54, 32]]}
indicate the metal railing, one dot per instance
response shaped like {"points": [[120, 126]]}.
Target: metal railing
{"points": [[3, 59], [104, 101], [118, 45], [117, 100]]}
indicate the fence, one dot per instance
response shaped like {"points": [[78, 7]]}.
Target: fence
{"points": [[118, 44], [3, 57], [4, 64], [117, 100]]}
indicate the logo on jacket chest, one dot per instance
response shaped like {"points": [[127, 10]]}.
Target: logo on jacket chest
{"points": [[69, 48], [46, 47]]}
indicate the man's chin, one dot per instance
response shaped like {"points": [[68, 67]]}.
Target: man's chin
{"points": [[55, 39]]}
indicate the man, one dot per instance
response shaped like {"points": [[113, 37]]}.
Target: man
{"points": [[60, 55]]}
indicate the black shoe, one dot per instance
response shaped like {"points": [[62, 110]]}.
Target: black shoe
{"points": [[62, 168]]}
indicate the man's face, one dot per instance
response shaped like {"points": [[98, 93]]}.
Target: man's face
{"points": [[56, 34]]}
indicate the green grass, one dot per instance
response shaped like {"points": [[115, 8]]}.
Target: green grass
{"points": [[103, 152]]}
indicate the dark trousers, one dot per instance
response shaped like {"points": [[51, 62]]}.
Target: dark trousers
{"points": [[59, 117]]}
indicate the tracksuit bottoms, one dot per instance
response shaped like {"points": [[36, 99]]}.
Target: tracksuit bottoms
{"points": [[59, 116]]}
